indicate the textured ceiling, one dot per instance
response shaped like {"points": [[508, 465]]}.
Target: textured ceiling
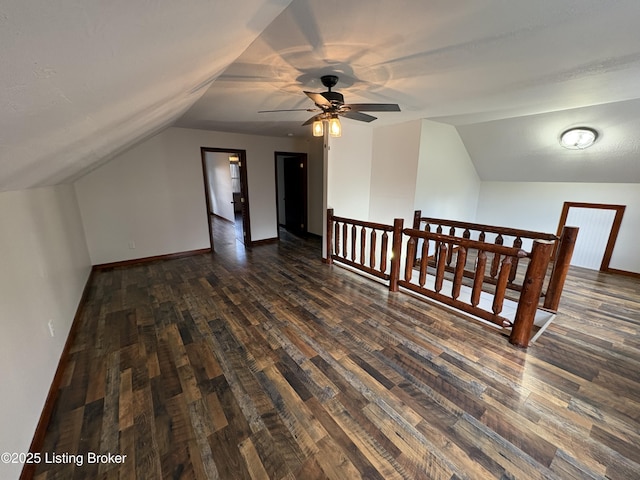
{"points": [[85, 79], [82, 80], [477, 63]]}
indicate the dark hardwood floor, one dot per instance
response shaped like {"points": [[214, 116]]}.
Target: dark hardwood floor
{"points": [[268, 364]]}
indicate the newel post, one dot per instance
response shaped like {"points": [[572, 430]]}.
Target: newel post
{"points": [[530, 294], [560, 267], [417, 215], [329, 258], [396, 250]]}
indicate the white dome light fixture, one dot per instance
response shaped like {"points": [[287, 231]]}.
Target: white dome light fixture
{"points": [[578, 138]]}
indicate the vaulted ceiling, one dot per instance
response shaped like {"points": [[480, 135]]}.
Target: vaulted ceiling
{"points": [[83, 80]]}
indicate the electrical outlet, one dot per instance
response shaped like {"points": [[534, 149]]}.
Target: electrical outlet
{"points": [[51, 330], [132, 245]]}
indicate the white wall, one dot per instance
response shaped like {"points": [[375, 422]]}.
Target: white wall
{"points": [[219, 178], [349, 171], [45, 265], [447, 184], [414, 165], [393, 172], [153, 194], [537, 206]]}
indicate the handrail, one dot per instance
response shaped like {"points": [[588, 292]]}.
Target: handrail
{"points": [[512, 232], [362, 223], [504, 257], [560, 254], [466, 242], [355, 243], [374, 262]]}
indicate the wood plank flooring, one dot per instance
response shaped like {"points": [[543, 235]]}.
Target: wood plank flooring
{"points": [[268, 364]]}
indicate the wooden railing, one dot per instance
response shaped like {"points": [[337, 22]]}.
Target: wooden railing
{"points": [[418, 281], [435, 265], [560, 255], [365, 246]]}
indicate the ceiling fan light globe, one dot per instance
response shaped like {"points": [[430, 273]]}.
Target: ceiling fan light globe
{"points": [[335, 128], [317, 128]]}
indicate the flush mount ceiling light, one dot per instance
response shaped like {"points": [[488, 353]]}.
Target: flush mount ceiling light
{"points": [[578, 138]]}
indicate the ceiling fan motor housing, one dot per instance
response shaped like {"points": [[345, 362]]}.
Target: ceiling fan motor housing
{"points": [[331, 104], [329, 81], [334, 97]]}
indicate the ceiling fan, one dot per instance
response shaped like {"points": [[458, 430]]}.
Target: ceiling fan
{"points": [[331, 105]]}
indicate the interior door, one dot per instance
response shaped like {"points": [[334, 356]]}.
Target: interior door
{"points": [[230, 164], [295, 181], [599, 226]]}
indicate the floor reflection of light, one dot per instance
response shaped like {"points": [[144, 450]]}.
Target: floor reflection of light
{"points": [[227, 239]]}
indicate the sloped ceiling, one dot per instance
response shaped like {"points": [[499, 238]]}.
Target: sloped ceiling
{"points": [[510, 74], [83, 80]]}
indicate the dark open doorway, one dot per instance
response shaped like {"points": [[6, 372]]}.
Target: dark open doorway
{"points": [[226, 190], [291, 191]]}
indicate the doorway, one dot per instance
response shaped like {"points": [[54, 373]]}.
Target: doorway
{"points": [[599, 226], [226, 190], [291, 191]]}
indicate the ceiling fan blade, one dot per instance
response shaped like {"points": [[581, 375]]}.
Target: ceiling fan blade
{"points": [[318, 99], [289, 110], [374, 107], [313, 119], [361, 117]]}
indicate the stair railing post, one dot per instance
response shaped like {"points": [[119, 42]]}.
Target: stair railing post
{"points": [[530, 294], [560, 269], [417, 214], [396, 251], [329, 258]]}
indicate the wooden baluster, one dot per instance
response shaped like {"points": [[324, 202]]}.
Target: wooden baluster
{"points": [[495, 263], [461, 260], [442, 256], [363, 241], [481, 237], [411, 255], [336, 246], [481, 263], [501, 285], [383, 252], [353, 242], [424, 262], [436, 251], [466, 234], [517, 243], [372, 249], [344, 240], [329, 239], [418, 259], [452, 232]]}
